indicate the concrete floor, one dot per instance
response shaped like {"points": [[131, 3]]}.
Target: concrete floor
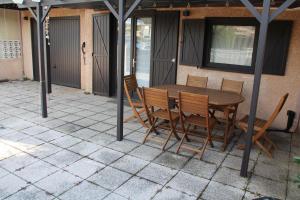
{"points": [[73, 154]]}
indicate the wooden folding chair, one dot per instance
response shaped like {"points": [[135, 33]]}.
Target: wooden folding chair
{"points": [[156, 104], [196, 81], [131, 86], [193, 109], [229, 112], [260, 136]]}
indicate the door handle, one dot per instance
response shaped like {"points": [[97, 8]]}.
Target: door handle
{"points": [[54, 66], [173, 60]]}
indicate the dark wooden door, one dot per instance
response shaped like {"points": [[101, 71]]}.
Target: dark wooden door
{"points": [[65, 51], [103, 73], [164, 66]]}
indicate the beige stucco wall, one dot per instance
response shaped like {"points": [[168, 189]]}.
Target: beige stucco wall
{"points": [[272, 87], [10, 29]]}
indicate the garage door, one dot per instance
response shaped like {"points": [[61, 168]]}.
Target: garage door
{"points": [[65, 51]]}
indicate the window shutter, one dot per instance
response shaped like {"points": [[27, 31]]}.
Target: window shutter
{"points": [[193, 42], [277, 46]]}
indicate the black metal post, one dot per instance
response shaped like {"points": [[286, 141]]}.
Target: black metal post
{"points": [[256, 86], [46, 66], [120, 68], [40, 30]]}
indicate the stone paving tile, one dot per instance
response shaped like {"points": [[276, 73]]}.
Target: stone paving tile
{"points": [[84, 148], [3, 172], [110, 178], [10, 184], [7, 151], [200, 168], [70, 118], [102, 127], [278, 173], [138, 189], [157, 173], [216, 191], [106, 156], [85, 122], [171, 160], [213, 157], [44, 150], [135, 136], [113, 131], [267, 187], [36, 171], [235, 162], [58, 182], [130, 164], [146, 152], [17, 161], [99, 117], [293, 190], [49, 135], [13, 137], [68, 128], [102, 139], [34, 130], [84, 168], [170, 194], [85, 191], [28, 143], [66, 141], [31, 193], [230, 177], [251, 196], [53, 123], [114, 196], [124, 146], [84, 133], [63, 158], [189, 184]]}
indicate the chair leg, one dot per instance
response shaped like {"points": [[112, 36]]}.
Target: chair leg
{"points": [[136, 114], [264, 149], [149, 130], [270, 142], [203, 148], [167, 140], [181, 142]]}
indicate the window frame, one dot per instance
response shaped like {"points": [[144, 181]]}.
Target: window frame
{"points": [[210, 22]]}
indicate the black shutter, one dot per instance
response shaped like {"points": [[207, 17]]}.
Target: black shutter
{"points": [[277, 46], [193, 42]]}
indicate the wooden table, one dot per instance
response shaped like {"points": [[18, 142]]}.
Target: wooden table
{"points": [[217, 99]]}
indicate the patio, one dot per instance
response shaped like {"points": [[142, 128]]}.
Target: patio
{"points": [[73, 154]]}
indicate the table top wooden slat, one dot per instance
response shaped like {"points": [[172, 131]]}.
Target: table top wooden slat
{"points": [[216, 97]]}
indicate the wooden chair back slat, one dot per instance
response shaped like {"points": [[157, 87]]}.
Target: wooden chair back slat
{"points": [[232, 86], [193, 103], [130, 83], [156, 98], [271, 119], [196, 81]]}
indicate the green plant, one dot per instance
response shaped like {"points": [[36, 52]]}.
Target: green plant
{"points": [[297, 180]]}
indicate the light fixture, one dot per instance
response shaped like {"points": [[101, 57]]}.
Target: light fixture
{"points": [[227, 3], [18, 1]]}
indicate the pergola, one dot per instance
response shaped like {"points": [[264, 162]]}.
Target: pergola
{"points": [[122, 9]]}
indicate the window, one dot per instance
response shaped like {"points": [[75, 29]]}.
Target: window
{"points": [[231, 44]]}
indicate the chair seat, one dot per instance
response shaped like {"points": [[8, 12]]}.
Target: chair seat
{"points": [[199, 121], [163, 114], [259, 123]]}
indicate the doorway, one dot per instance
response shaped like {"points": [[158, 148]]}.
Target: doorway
{"points": [[138, 48]]}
